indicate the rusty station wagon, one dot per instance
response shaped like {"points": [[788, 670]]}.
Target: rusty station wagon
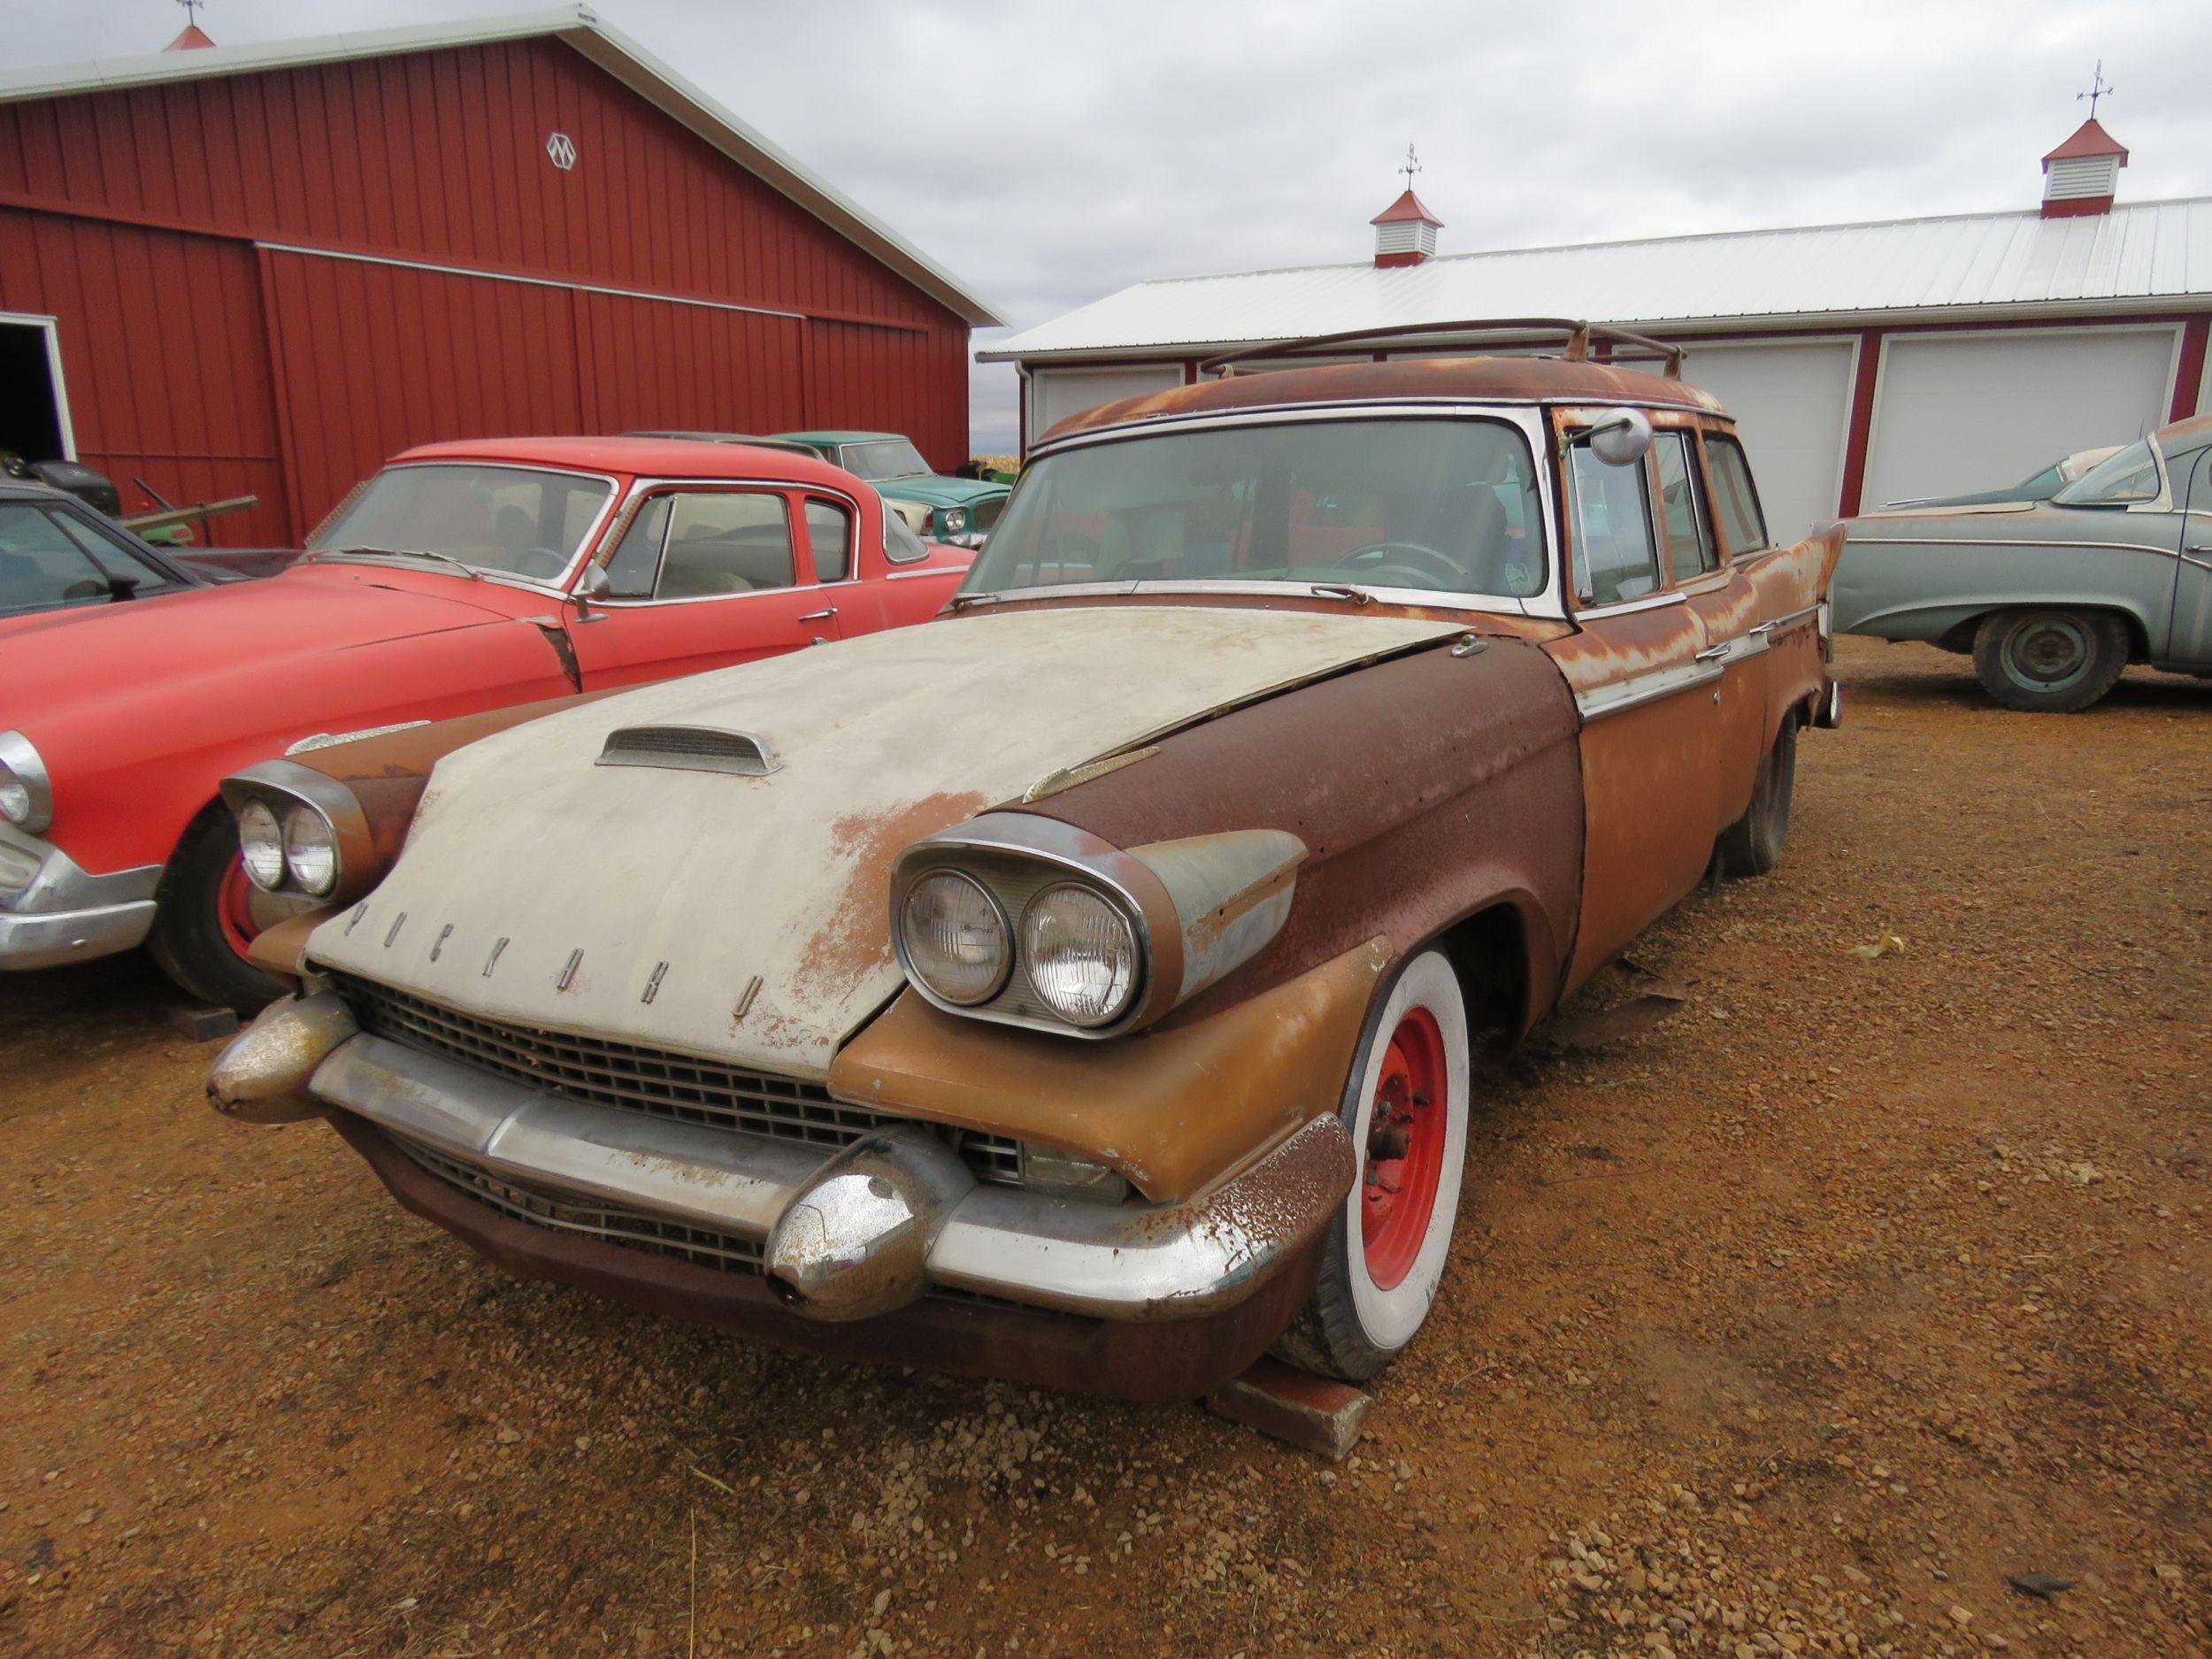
{"points": [[1082, 986]]}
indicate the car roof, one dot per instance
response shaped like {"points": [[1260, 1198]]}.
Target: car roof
{"points": [[1456, 380], [841, 437], [644, 457], [726, 437]]}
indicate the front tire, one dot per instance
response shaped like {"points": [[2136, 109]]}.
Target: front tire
{"points": [[1405, 1107], [203, 919], [2050, 662]]}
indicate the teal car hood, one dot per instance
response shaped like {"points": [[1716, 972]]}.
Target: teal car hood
{"points": [[936, 490]]}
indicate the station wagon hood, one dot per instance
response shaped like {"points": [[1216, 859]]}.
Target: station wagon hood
{"points": [[745, 918]]}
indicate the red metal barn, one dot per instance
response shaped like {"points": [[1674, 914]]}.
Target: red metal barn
{"points": [[263, 269]]}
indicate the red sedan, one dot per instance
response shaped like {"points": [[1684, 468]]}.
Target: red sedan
{"points": [[462, 577]]}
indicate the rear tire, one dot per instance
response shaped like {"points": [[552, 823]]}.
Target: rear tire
{"points": [[2050, 662], [1752, 846], [203, 920], [1405, 1107]]}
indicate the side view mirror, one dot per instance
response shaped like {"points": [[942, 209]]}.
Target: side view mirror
{"points": [[1621, 438], [592, 584]]}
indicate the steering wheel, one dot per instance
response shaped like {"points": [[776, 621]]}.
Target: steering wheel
{"points": [[541, 562], [1423, 558]]}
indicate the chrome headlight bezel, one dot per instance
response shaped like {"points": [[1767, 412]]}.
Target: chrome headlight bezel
{"points": [[265, 871], [918, 971], [302, 825], [285, 788], [1196, 909], [28, 787], [952, 521]]}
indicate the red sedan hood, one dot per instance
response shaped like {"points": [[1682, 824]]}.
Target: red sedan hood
{"points": [[65, 654]]}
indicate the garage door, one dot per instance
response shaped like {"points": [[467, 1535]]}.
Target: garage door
{"points": [[1959, 412], [1055, 393], [1792, 404]]}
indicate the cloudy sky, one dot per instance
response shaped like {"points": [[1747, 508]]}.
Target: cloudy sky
{"points": [[1051, 151]]}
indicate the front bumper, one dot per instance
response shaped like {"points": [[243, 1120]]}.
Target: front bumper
{"points": [[63, 913], [835, 1234]]}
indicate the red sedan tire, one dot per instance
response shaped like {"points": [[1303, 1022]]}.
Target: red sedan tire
{"points": [[1406, 1109], [203, 921]]}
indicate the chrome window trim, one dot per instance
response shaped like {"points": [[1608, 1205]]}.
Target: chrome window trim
{"points": [[1523, 415], [22, 758], [555, 586], [1629, 607]]}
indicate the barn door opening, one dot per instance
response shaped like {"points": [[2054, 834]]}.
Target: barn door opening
{"points": [[33, 412]]}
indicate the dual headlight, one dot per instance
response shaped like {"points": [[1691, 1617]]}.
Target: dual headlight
{"points": [[1028, 921], [27, 795], [304, 847], [299, 831], [1076, 948]]}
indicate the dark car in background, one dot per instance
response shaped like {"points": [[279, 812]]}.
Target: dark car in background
{"points": [[57, 552]]}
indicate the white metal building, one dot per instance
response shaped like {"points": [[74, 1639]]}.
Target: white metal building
{"points": [[1866, 363]]}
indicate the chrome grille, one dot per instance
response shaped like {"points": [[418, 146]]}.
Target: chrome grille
{"points": [[649, 1080], [570, 1212]]}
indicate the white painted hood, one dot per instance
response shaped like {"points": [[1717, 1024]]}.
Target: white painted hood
{"points": [[784, 879]]}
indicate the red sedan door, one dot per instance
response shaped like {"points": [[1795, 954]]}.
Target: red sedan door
{"points": [[702, 578]]}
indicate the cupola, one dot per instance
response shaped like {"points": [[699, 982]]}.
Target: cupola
{"points": [[1405, 232], [2081, 174]]}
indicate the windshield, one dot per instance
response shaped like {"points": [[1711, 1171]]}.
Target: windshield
{"points": [[516, 520], [1449, 506], [48, 557], [2130, 476], [894, 457]]}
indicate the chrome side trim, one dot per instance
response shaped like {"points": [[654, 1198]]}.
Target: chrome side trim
{"points": [[1134, 1261], [1948, 541], [1638, 689]]}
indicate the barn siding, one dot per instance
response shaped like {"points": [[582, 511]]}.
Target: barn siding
{"points": [[187, 350]]}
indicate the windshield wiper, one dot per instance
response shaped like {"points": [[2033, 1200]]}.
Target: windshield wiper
{"points": [[466, 569], [1344, 591]]}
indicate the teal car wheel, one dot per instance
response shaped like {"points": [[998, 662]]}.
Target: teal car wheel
{"points": [[2049, 662]]}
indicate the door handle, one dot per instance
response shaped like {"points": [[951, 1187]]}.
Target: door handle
{"points": [[819, 616], [1713, 653], [1765, 628]]}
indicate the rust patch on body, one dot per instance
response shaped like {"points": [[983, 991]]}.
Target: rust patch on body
{"points": [[856, 941]]}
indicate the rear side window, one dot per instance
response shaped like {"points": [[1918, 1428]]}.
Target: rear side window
{"points": [[725, 542], [1690, 550], [1615, 556], [1734, 496], [829, 527]]}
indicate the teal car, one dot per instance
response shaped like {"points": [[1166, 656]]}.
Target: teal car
{"points": [[962, 511], [2052, 598]]}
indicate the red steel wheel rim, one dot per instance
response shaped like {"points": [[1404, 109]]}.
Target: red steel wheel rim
{"points": [[1402, 1164], [233, 908]]}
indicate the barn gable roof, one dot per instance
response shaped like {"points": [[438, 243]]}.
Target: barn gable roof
{"points": [[579, 27], [1970, 265]]}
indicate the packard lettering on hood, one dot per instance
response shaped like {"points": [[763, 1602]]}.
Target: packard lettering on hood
{"points": [[783, 878]]}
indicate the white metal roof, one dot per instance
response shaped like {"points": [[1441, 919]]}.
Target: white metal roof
{"points": [[581, 27], [1971, 264]]}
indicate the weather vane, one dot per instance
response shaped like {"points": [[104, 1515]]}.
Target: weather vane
{"points": [[191, 11], [1412, 167], [2097, 88]]}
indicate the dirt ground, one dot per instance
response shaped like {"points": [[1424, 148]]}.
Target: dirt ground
{"points": [[1791, 1326]]}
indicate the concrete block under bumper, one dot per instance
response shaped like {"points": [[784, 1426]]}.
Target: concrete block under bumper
{"points": [[1135, 1264]]}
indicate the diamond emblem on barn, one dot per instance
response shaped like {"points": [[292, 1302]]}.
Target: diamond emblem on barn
{"points": [[560, 149]]}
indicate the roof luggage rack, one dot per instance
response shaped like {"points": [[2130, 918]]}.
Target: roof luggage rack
{"points": [[1578, 336]]}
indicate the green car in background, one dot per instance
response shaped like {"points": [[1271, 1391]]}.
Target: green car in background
{"points": [[2052, 598], [962, 511]]}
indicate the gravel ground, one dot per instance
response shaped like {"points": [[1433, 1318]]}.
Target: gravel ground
{"points": [[1792, 1326]]}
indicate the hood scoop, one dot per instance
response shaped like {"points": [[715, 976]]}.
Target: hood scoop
{"points": [[689, 749]]}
